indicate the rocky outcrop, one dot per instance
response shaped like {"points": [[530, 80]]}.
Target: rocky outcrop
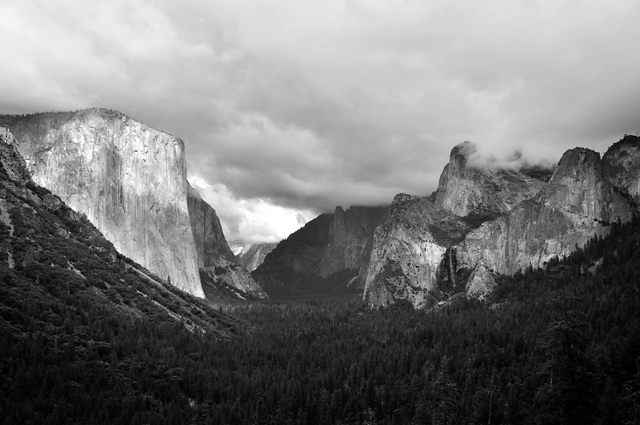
{"points": [[414, 256], [621, 166], [127, 178], [485, 222], [216, 262], [52, 256], [207, 230], [348, 235], [11, 162], [251, 255], [326, 255], [465, 189], [576, 204], [411, 251]]}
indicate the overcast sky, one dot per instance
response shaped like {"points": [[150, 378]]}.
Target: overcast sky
{"points": [[289, 108]]}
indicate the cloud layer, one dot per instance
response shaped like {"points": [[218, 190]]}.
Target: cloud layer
{"points": [[290, 108]]}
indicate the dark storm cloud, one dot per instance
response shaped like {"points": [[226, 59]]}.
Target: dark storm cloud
{"points": [[291, 108]]}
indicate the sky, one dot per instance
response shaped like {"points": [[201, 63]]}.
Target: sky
{"points": [[289, 108]]}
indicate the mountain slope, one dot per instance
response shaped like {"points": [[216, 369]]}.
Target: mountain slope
{"points": [[220, 274], [60, 256], [324, 256], [294, 262]]}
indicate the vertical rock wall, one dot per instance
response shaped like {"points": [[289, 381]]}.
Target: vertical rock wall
{"points": [[215, 259], [465, 189], [348, 235], [621, 166], [576, 204], [129, 180]]}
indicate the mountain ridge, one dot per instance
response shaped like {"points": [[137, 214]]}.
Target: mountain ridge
{"points": [[325, 255], [130, 180], [480, 223]]}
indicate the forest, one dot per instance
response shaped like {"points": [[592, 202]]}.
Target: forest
{"points": [[559, 345]]}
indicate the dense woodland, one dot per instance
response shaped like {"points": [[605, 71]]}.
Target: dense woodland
{"points": [[553, 346]]}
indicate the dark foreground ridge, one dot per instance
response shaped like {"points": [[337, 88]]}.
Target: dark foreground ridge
{"points": [[89, 337]]}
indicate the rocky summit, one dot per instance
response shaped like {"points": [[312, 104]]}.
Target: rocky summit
{"points": [[483, 221]]}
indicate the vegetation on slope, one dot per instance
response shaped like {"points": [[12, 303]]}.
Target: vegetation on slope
{"points": [[554, 346], [86, 338], [86, 335]]}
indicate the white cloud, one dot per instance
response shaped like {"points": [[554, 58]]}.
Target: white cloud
{"points": [[291, 105], [250, 220]]}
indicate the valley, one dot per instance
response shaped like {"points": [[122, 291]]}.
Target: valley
{"points": [[506, 296]]}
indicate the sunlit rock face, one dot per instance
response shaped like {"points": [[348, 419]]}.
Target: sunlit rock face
{"points": [[487, 221], [407, 252], [215, 258], [127, 178]]}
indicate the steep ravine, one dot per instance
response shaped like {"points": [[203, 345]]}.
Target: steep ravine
{"points": [[219, 272]]}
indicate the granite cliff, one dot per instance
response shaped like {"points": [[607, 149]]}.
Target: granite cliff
{"points": [[576, 204], [130, 182], [413, 256], [53, 260], [348, 235], [482, 221], [127, 178], [621, 167], [326, 255], [465, 189], [220, 273]]}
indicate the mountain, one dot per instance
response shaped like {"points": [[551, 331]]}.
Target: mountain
{"points": [[251, 255], [97, 325], [220, 274], [52, 256], [466, 189], [89, 336], [130, 181], [348, 235], [324, 256], [621, 166], [576, 204], [484, 221], [127, 178]]}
